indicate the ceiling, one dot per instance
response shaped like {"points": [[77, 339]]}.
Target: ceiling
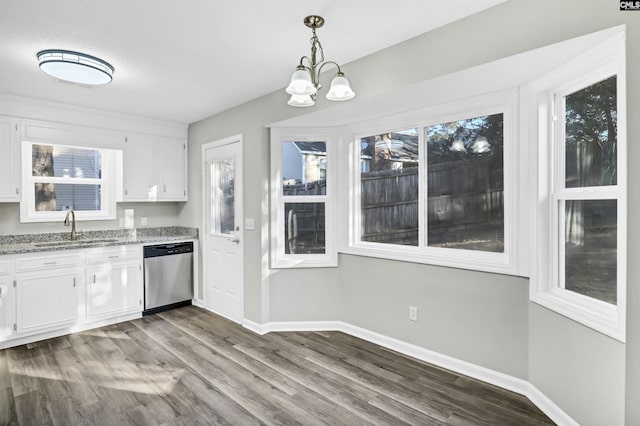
{"points": [[186, 60]]}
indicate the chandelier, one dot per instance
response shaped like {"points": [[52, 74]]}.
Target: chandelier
{"points": [[305, 81]]}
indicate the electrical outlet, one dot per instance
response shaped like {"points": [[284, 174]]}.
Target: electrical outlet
{"points": [[143, 221], [413, 313]]}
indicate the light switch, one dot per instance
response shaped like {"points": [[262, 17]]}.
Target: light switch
{"points": [[249, 224]]}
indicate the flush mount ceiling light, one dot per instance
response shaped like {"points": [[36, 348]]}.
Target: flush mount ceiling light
{"points": [[305, 81], [75, 67]]}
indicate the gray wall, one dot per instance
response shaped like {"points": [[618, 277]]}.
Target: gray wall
{"points": [[578, 368], [472, 316], [481, 318]]}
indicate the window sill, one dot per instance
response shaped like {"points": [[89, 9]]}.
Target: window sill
{"points": [[304, 261], [600, 316], [497, 263]]}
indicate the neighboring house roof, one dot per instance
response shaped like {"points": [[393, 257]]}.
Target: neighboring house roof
{"points": [[319, 148], [401, 147]]}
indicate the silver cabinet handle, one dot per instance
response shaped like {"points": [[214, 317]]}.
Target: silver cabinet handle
{"points": [[49, 263]]}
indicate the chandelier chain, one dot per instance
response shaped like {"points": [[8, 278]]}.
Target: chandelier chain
{"points": [[316, 42]]}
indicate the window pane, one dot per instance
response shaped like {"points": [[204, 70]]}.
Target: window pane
{"points": [[591, 248], [58, 196], [304, 228], [389, 187], [60, 161], [304, 168], [222, 196], [465, 184], [591, 135]]}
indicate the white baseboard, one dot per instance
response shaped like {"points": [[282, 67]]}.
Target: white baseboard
{"points": [[199, 303], [548, 407], [34, 337], [484, 374]]}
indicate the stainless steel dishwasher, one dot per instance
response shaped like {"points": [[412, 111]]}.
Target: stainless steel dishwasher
{"points": [[168, 276]]}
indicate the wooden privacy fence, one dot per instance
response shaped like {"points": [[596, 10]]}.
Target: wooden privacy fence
{"points": [[389, 203], [305, 222], [458, 201], [318, 187]]}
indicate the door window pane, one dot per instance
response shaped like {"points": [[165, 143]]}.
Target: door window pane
{"points": [[591, 136], [304, 228], [67, 162], [222, 196], [465, 184], [591, 248], [389, 187], [304, 168], [63, 196]]}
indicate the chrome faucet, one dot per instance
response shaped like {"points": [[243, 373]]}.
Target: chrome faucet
{"points": [[73, 223]]}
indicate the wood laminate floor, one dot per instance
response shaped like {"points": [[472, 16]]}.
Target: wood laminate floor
{"points": [[190, 367]]}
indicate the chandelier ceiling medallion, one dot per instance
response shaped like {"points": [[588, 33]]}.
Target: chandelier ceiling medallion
{"points": [[305, 81]]}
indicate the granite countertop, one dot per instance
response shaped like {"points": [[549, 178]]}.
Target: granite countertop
{"points": [[29, 243]]}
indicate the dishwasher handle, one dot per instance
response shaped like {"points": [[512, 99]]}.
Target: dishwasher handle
{"points": [[168, 249]]}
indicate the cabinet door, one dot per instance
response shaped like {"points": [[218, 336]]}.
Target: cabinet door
{"points": [[7, 317], [114, 289], [46, 300], [140, 172], [171, 169], [10, 152]]}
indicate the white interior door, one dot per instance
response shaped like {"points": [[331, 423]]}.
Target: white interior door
{"points": [[223, 258]]}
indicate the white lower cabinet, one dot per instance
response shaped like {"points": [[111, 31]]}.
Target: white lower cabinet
{"points": [[114, 282], [47, 300], [113, 289], [7, 300], [44, 294]]}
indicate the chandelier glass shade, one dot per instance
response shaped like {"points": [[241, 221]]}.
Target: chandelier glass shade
{"points": [[75, 67], [305, 80]]}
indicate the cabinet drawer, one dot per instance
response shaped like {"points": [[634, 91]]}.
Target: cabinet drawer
{"points": [[113, 254], [5, 267], [41, 262]]}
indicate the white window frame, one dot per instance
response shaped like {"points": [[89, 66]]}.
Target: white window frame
{"points": [[506, 102], [547, 137], [107, 181], [279, 259]]}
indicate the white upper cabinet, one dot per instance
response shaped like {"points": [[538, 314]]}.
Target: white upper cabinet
{"points": [[139, 174], [10, 153], [154, 168], [172, 155]]}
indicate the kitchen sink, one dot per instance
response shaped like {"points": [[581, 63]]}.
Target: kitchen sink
{"points": [[69, 242]]}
